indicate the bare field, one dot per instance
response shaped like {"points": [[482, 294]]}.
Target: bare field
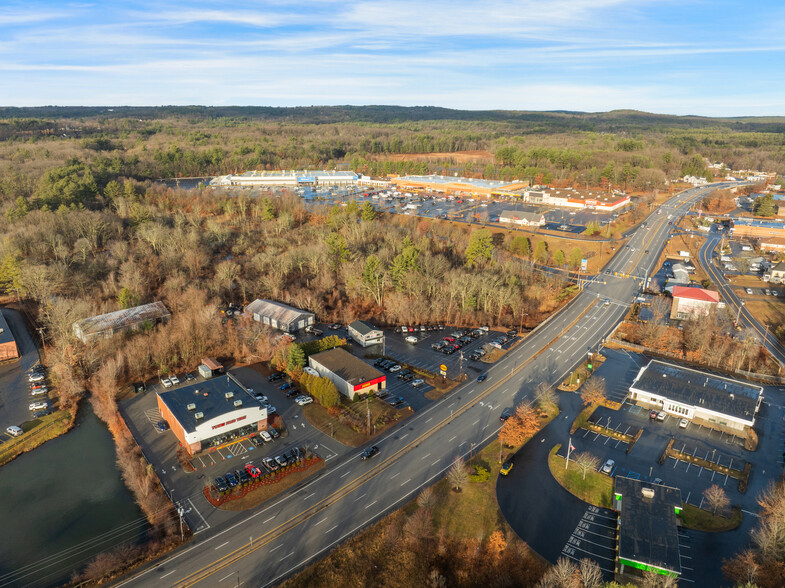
{"points": [[479, 156]]}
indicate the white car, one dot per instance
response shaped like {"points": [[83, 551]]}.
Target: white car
{"points": [[36, 378], [608, 467], [14, 430], [166, 382], [266, 437], [39, 391], [311, 371], [303, 400], [395, 368], [270, 409], [411, 339], [748, 290], [38, 405], [418, 382], [174, 380], [683, 423]]}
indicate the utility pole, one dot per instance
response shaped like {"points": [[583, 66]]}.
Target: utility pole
{"points": [[368, 409], [460, 377]]}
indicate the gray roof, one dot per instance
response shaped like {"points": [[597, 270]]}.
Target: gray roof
{"points": [[522, 215], [119, 319], [346, 366], [779, 267], [648, 531], [209, 398], [701, 389], [6, 336], [283, 313], [363, 327]]}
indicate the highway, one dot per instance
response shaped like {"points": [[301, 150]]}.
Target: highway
{"points": [[271, 543], [734, 303]]}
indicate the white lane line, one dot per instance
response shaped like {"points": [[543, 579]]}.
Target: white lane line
{"points": [[437, 461], [331, 529], [276, 547], [361, 495], [320, 522], [222, 545], [168, 573], [429, 420], [395, 474], [285, 556], [424, 456], [475, 422], [270, 519], [406, 482], [452, 438], [311, 494], [404, 436], [346, 474], [227, 576], [370, 505]]}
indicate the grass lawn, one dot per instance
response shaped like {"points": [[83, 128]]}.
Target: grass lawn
{"points": [[382, 414], [696, 518], [264, 493], [596, 489], [36, 432]]}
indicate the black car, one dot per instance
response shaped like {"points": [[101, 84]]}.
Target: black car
{"points": [[512, 332], [379, 362], [273, 433], [369, 453], [506, 413], [383, 394], [231, 480], [292, 393], [40, 413], [190, 376], [395, 401], [257, 440], [220, 484], [274, 377], [286, 386], [243, 476]]}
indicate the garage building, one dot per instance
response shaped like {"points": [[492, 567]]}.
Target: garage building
{"points": [[279, 316], [648, 529], [365, 333], [8, 347], [349, 374], [211, 412], [713, 401]]}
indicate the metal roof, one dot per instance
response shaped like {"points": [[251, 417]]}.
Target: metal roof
{"points": [[699, 389], [476, 182], [692, 293], [346, 366], [363, 327], [648, 529], [122, 318], [283, 313]]}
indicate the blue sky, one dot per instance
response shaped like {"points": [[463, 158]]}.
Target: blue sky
{"points": [[708, 57]]}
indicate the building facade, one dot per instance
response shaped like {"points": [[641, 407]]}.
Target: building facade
{"points": [[365, 333], [351, 375], [689, 303], [524, 219], [279, 316], [8, 347], [713, 401], [293, 178], [211, 413]]}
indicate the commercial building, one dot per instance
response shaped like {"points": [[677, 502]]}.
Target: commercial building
{"points": [[294, 178], [365, 333], [120, 321], [8, 347], [713, 401], [772, 244], [458, 185], [689, 303], [524, 219], [756, 229], [648, 528], [279, 316], [572, 198], [211, 412], [349, 374]]}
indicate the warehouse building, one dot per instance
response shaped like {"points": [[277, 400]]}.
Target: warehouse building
{"points": [[211, 412], [350, 375], [647, 529], [279, 316], [707, 399], [8, 348], [365, 333], [121, 321], [293, 178]]}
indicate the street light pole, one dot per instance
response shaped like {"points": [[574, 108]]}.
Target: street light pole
{"points": [[738, 316]]}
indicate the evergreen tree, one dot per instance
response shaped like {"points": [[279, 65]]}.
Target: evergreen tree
{"points": [[520, 245], [480, 249], [368, 212]]}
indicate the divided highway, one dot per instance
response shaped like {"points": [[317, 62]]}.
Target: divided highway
{"points": [[271, 543]]}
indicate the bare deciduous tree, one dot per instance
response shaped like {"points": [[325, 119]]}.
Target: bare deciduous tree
{"points": [[564, 574], [586, 462], [591, 574], [458, 475], [593, 391], [545, 396], [716, 498]]}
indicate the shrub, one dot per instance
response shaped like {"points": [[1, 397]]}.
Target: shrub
{"points": [[480, 474]]}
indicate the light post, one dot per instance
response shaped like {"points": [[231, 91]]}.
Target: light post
{"points": [[738, 316]]}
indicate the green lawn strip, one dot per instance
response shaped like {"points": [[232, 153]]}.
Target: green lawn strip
{"points": [[36, 432], [596, 489], [698, 519]]}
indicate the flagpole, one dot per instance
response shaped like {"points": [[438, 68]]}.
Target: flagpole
{"points": [[569, 447]]}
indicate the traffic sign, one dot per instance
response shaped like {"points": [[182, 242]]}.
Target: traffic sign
{"points": [[443, 367]]}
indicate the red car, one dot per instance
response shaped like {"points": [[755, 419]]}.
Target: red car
{"points": [[448, 339], [36, 386], [252, 470]]}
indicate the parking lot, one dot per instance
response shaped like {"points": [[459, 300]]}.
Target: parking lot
{"points": [[594, 538], [160, 447]]}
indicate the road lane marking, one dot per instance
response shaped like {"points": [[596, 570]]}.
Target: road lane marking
{"points": [[285, 556], [320, 522], [222, 545], [168, 573], [276, 547], [307, 497], [270, 519], [424, 456], [346, 474], [227, 576], [437, 461], [331, 529], [404, 436], [429, 420], [358, 498], [406, 482], [452, 438], [395, 475], [370, 505]]}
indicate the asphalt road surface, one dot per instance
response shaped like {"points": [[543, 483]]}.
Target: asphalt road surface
{"points": [[265, 546]]}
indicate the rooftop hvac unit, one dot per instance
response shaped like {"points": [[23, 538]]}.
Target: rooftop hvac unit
{"points": [[199, 416], [647, 492], [191, 406], [229, 395], [238, 403]]}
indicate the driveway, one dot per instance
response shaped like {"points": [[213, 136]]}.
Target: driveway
{"points": [[14, 388]]}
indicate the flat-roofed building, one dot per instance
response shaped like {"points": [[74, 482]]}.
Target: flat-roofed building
{"points": [[8, 347], [211, 412], [524, 219], [350, 374], [760, 229], [303, 177], [708, 399], [647, 528], [689, 303], [279, 315], [121, 321], [365, 333]]}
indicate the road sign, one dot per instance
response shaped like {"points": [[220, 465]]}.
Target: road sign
{"points": [[443, 372], [443, 367]]}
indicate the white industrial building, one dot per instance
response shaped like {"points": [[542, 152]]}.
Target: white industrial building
{"points": [[304, 177], [279, 316], [713, 401], [350, 374]]}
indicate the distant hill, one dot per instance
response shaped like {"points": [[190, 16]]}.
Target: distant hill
{"points": [[612, 121]]}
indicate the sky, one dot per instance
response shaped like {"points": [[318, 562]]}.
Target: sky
{"points": [[703, 57]]}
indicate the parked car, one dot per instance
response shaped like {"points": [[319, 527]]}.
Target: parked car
{"points": [[220, 484], [292, 393], [379, 362], [275, 376], [14, 430], [395, 368], [231, 481], [38, 405], [273, 433], [41, 413], [161, 426], [39, 391], [266, 437], [418, 382], [260, 397], [506, 468], [257, 440], [683, 423], [174, 379], [190, 376], [36, 377], [660, 416], [748, 290], [166, 382], [607, 468], [369, 453], [285, 386], [411, 339], [659, 481], [303, 400], [252, 470], [243, 476], [395, 401], [281, 460], [270, 409], [652, 414], [512, 332]]}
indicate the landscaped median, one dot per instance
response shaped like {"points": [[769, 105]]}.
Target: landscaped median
{"points": [[348, 422], [595, 488], [36, 432], [264, 487], [741, 475], [696, 518]]}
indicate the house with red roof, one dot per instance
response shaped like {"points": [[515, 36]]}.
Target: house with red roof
{"points": [[690, 302]]}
